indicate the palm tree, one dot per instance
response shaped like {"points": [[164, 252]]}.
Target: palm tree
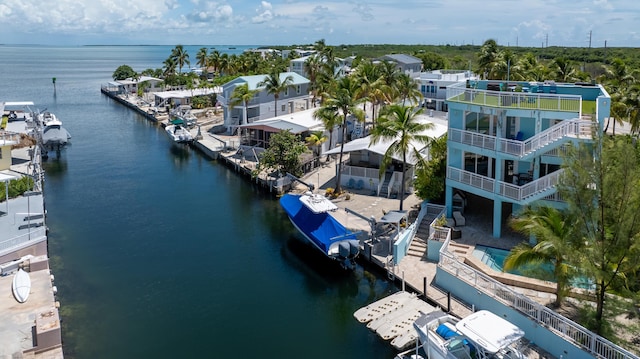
{"points": [[312, 68], [400, 124], [389, 77], [180, 56], [619, 80], [242, 95], [344, 100], [315, 140], [408, 89], [369, 76], [214, 61], [528, 68], [169, 67], [325, 83], [554, 232], [489, 54], [563, 70], [224, 64], [331, 118], [274, 84], [202, 57]]}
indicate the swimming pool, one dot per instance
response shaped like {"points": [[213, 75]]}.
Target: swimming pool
{"points": [[495, 257]]}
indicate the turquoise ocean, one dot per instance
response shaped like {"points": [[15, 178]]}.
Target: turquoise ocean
{"points": [[159, 252]]}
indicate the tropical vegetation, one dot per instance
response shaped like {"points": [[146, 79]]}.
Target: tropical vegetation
{"points": [[274, 84], [242, 95], [399, 124], [16, 187], [556, 242], [282, 156]]}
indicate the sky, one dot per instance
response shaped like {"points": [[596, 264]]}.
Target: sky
{"points": [[536, 23]]}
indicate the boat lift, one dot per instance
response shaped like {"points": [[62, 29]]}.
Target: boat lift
{"points": [[372, 222]]}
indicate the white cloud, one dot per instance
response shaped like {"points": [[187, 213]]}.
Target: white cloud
{"points": [[265, 13], [337, 21], [365, 11]]}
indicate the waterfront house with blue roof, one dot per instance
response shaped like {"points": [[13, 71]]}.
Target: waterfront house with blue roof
{"points": [[262, 106], [505, 139]]}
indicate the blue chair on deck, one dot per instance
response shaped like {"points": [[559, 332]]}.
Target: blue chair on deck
{"points": [[519, 136]]}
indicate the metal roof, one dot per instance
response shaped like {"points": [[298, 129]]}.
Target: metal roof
{"points": [[381, 147], [254, 80]]}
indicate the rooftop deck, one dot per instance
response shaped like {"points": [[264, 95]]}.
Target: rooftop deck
{"points": [[516, 100]]}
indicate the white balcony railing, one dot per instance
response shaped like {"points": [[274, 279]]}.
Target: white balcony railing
{"points": [[471, 138], [519, 100], [471, 179], [519, 193], [9, 136], [505, 189], [573, 128], [33, 236]]}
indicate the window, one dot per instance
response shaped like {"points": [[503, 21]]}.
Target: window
{"points": [[298, 89], [283, 108], [476, 163], [286, 92]]}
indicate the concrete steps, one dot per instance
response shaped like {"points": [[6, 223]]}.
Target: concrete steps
{"points": [[460, 250], [418, 248]]}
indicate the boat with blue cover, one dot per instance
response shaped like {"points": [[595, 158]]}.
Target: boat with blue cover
{"points": [[309, 213]]}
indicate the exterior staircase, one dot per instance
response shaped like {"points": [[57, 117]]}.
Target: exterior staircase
{"points": [[555, 137], [542, 142], [384, 189], [418, 246]]}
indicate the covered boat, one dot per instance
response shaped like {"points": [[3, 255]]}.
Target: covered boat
{"points": [[54, 136], [309, 213], [177, 132]]}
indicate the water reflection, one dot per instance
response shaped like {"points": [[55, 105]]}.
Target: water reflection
{"points": [[54, 165], [180, 153]]}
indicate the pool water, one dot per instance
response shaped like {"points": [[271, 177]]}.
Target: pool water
{"points": [[495, 257]]}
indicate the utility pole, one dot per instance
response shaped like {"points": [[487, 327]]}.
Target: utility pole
{"points": [[546, 41]]}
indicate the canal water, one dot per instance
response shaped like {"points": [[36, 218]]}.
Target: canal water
{"points": [[159, 252]]}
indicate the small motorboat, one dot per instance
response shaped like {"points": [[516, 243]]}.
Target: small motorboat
{"points": [[178, 133], [54, 136], [482, 334]]}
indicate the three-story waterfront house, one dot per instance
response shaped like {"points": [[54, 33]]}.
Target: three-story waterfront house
{"points": [[505, 139]]}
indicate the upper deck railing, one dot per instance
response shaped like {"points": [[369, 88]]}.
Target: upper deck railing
{"points": [[517, 100], [9, 136], [572, 128], [505, 189]]}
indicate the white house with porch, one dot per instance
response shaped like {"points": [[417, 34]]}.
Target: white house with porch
{"points": [[263, 104], [361, 168]]}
